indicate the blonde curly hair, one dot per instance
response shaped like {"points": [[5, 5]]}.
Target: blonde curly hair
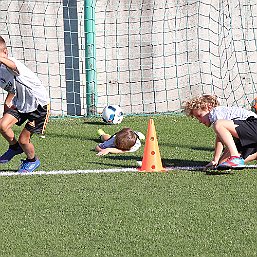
{"points": [[199, 102]]}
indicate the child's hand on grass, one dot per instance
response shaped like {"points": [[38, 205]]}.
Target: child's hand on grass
{"points": [[103, 152], [211, 165]]}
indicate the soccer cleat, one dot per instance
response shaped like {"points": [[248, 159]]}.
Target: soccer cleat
{"points": [[27, 166], [9, 154], [234, 162], [100, 132]]}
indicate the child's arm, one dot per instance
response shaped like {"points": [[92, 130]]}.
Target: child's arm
{"points": [[9, 64], [217, 153], [8, 101], [108, 150]]}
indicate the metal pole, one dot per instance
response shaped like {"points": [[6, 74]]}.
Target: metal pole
{"points": [[90, 57]]}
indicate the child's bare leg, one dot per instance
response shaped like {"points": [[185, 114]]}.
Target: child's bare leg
{"points": [[225, 129], [251, 157], [6, 124], [224, 156], [105, 137], [26, 145], [14, 148]]}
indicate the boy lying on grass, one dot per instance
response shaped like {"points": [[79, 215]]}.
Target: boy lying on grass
{"points": [[126, 140]]}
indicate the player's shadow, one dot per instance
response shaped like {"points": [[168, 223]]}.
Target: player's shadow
{"points": [[174, 163], [69, 136], [99, 123], [182, 163], [122, 157], [217, 172], [111, 165], [187, 146], [8, 170], [208, 149], [189, 163]]}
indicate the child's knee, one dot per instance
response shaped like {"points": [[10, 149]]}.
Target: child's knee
{"points": [[24, 139], [3, 126]]}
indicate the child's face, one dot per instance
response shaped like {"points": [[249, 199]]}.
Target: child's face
{"points": [[202, 116]]}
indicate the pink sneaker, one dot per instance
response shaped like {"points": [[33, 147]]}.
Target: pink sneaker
{"points": [[233, 162]]}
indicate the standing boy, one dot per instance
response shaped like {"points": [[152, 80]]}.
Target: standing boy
{"points": [[27, 100]]}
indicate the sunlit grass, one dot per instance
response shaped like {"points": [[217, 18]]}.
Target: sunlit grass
{"points": [[177, 213]]}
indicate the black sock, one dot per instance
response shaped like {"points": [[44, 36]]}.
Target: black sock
{"points": [[31, 160], [15, 146]]}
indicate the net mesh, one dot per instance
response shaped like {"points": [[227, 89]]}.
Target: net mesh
{"points": [[150, 55], [158, 53], [33, 34]]}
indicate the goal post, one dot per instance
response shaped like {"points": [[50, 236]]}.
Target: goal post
{"points": [[90, 57]]}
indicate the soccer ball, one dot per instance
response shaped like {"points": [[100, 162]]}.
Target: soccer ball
{"points": [[112, 114], [254, 105]]}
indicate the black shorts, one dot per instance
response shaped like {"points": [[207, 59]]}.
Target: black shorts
{"points": [[37, 119], [247, 132]]}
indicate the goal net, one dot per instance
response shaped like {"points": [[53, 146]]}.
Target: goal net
{"points": [[150, 55], [154, 54]]}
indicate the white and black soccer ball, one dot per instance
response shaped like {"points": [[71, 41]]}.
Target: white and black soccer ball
{"points": [[112, 114]]}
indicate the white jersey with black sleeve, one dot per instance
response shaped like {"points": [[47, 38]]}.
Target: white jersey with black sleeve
{"points": [[6, 79], [230, 113], [27, 87]]}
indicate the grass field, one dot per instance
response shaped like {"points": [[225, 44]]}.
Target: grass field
{"points": [[176, 213]]}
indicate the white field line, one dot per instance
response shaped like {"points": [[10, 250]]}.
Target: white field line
{"points": [[67, 172]]}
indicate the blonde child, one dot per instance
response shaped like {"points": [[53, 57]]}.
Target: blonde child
{"points": [[235, 128]]}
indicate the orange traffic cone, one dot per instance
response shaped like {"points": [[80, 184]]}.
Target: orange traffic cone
{"points": [[152, 159]]}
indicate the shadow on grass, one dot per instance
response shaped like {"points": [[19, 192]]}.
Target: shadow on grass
{"points": [[182, 163], [217, 172], [166, 163], [185, 146], [98, 123], [191, 164], [123, 157], [71, 136], [209, 149], [113, 165], [8, 170]]}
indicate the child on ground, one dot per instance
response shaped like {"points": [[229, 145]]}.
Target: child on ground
{"points": [[27, 100], [235, 127], [126, 140]]}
